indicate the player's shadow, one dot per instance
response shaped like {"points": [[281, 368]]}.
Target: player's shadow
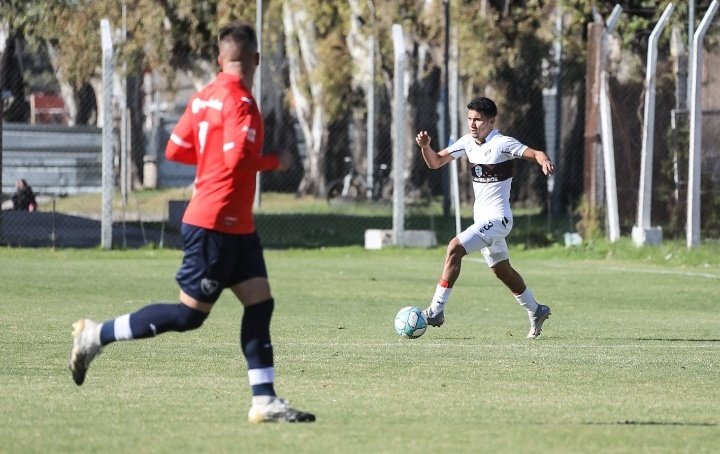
{"points": [[676, 339], [649, 423]]}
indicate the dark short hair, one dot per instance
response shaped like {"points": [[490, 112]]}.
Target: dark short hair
{"points": [[485, 106], [240, 33]]}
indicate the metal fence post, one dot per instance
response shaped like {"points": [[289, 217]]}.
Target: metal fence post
{"points": [[370, 145], [694, 169], [399, 129], [108, 176], [613, 220], [257, 90], [454, 133], [2, 120], [642, 232]]}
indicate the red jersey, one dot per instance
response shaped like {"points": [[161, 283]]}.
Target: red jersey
{"points": [[221, 132]]}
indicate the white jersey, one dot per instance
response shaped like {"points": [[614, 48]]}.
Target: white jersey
{"points": [[491, 170]]}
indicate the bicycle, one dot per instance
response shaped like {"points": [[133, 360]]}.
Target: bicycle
{"points": [[353, 185]]}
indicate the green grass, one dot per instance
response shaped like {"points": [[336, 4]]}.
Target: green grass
{"points": [[628, 362]]}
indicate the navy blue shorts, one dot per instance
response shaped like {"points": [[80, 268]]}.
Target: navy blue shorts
{"points": [[214, 261]]}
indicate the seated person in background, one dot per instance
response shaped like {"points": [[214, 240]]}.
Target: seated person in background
{"points": [[24, 198]]}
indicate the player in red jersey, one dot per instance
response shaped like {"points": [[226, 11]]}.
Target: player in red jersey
{"points": [[221, 132]]}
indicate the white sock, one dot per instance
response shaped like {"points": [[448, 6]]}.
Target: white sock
{"points": [[526, 300], [262, 400], [442, 294]]}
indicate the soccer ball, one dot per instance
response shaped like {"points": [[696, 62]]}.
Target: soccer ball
{"points": [[410, 322]]}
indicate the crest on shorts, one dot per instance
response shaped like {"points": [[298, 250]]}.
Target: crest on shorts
{"points": [[208, 286]]}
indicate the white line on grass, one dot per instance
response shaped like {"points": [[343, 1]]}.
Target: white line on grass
{"points": [[624, 269], [642, 344], [650, 271]]}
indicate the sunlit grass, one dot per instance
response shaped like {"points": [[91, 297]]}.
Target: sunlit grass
{"points": [[627, 363]]}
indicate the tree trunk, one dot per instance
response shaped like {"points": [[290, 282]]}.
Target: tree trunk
{"points": [[97, 84], [307, 93], [357, 42], [67, 92], [278, 118], [19, 108]]}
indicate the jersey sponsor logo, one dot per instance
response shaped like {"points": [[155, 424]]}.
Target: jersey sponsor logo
{"points": [[208, 286], [199, 104], [491, 173]]}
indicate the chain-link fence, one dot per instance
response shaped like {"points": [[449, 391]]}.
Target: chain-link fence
{"points": [[330, 103]]}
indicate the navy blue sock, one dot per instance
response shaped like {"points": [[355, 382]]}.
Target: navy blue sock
{"points": [[150, 321], [256, 345]]}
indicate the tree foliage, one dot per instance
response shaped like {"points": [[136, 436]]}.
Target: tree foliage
{"points": [[163, 35], [504, 48]]}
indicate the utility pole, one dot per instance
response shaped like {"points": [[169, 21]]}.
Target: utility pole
{"points": [[592, 114]]}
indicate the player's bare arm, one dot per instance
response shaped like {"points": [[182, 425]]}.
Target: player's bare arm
{"points": [[432, 159], [541, 158]]}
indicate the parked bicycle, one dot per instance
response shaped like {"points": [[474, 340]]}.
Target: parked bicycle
{"points": [[353, 185]]}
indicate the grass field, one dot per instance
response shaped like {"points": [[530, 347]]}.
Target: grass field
{"points": [[629, 361]]}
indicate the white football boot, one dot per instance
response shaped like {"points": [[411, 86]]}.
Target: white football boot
{"points": [[537, 319], [277, 410], [86, 346]]}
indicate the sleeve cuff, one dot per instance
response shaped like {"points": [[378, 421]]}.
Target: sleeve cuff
{"points": [[269, 162]]}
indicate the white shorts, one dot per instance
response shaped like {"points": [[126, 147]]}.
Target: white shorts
{"points": [[488, 237]]}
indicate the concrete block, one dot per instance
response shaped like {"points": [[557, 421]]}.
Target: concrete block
{"points": [[647, 237], [572, 239], [379, 238], [419, 238]]}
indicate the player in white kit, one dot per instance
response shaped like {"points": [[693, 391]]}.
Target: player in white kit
{"points": [[491, 155]]}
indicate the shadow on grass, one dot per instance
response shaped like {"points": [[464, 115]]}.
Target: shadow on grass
{"points": [[676, 339], [650, 423]]}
